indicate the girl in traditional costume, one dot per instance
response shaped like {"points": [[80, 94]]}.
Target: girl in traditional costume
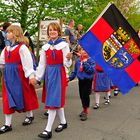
{"points": [[17, 92], [101, 83], [54, 57]]}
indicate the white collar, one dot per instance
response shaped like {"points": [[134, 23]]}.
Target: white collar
{"points": [[59, 46]]}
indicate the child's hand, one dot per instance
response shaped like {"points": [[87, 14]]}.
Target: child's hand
{"points": [[77, 53], [68, 79], [33, 81], [84, 60], [69, 56]]}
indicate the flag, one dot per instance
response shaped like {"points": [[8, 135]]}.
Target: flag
{"points": [[115, 46]]}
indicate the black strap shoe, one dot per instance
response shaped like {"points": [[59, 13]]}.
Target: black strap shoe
{"points": [[83, 117], [116, 92], [28, 120], [107, 102], [96, 106], [5, 128], [60, 127], [45, 134], [80, 115], [46, 114]]}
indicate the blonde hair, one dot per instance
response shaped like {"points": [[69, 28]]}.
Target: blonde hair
{"points": [[56, 27], [26, 41], [17, 32]]}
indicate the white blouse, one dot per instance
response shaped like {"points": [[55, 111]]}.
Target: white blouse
{"points": [[42, 63], [26, 60]]}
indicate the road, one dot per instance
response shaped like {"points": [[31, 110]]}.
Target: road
{"points": [[120, 120]]}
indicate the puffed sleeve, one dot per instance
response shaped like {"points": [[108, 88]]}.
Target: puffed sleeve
{"points": [[2, 60], [41, 66], [27, 61], [67, 63]]}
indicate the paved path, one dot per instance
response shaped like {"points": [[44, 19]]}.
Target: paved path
{"points": [[118, 121]]}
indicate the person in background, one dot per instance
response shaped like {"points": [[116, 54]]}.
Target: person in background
{"points": [[17, 92], [70, 34], [3, 39], [79, 31], [31, 44], [71, 39], [30, 49], [1, 28], [83, 69], [54, 57]]}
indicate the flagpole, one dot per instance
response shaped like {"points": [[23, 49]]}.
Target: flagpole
{"points": [[108, 5], [73, 49]]}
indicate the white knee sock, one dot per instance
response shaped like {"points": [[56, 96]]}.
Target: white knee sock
{"points": [[97, 98], [29, 113], [8, 119], [51, 117], [61, 115], [107, 95]]}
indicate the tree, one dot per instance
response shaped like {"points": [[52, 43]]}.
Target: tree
{"points": [[82, 11], [27, 12], [30, 12], [130, 10]]}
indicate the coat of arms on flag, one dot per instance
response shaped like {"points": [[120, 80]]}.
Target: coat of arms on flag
{"points": [[115, 46]]}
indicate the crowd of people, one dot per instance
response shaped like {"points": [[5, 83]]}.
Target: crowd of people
{"points": [[56, 57]]}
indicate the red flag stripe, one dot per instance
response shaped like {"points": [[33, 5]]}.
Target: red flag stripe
{"points": [[133, 70], [102, 30]]}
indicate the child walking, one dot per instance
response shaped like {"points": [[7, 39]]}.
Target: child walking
{"points": [[53, 59], [17, 92], [83, 69], [101, 83]]}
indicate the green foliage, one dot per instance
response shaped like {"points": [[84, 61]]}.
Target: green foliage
{"points": [[27, 12], [134, 20], [130, 10], [30, 12], [82, 11]]}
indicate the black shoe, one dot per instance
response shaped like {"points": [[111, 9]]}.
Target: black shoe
{"points": [[46, 114], [5, 128], [83, 117], [96, 106], [80, 115], [116, 92], [136, 85], [107, 102], [45, 134], [28, 120], [60, 127], [106, 98]]}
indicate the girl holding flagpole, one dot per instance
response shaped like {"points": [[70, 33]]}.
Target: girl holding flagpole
{"points": [[83, 69]]}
